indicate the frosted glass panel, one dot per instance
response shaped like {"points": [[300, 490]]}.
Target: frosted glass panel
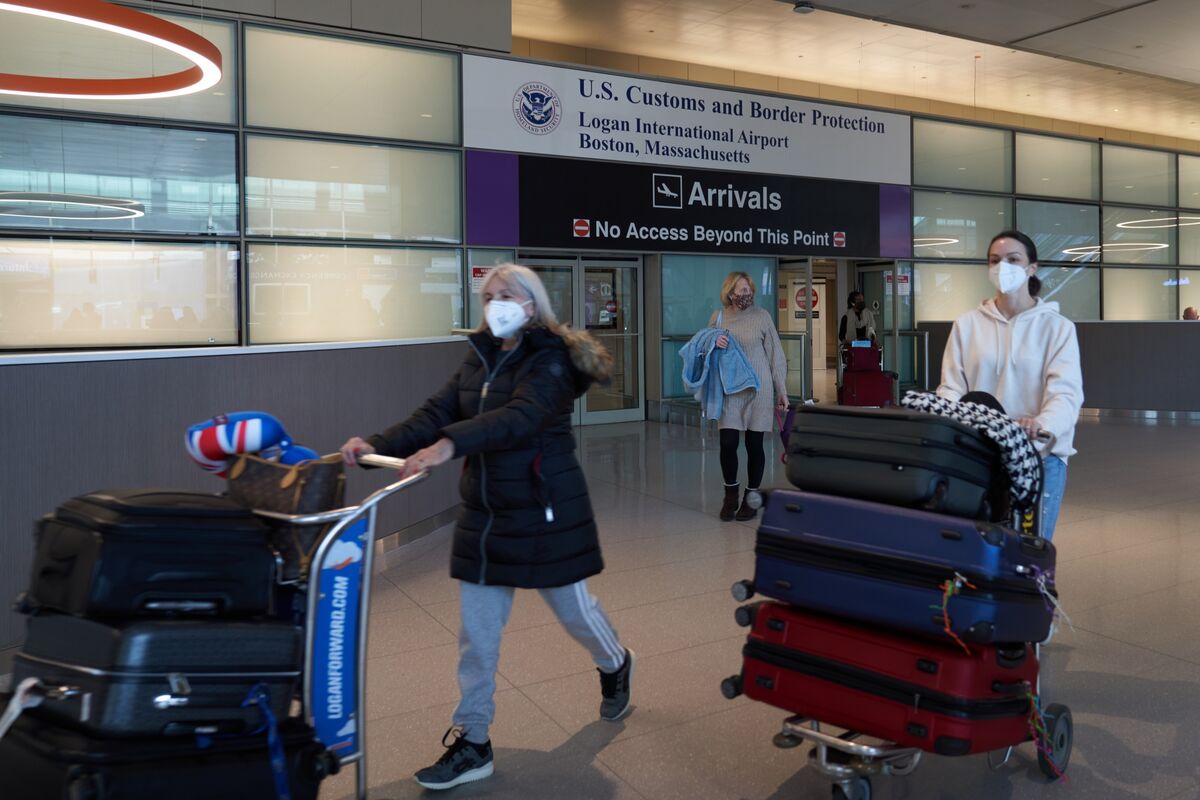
{"points": [[331, 294], [320, 83], [1139, 236], [1140, 294], [1189, 181], [1075, 289], [37, 46], [57, 294], [1138, 176], [1061, 231], [961, 156], [947, 291], [1049, 165], [184, 180], [948, 225], [349, 191]]}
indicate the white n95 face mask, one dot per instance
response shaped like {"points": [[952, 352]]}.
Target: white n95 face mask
{"points": [[1007, 277], [505, 317]]}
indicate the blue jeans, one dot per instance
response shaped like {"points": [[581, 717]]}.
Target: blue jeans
{"points": [[1052, 494]]}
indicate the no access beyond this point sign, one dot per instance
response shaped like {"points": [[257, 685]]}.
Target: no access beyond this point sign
{"points": [[802, 298]]}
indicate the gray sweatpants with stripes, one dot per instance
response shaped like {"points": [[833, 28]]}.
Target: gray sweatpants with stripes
{"points": [[485, 611]]}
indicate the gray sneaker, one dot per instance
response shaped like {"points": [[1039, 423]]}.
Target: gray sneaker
{"points": [[614, 690], [462, 762]]}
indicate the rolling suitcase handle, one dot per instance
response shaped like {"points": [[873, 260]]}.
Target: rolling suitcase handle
{"points": [[31, 693]]}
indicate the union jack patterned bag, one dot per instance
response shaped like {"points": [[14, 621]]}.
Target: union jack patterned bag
{"points": [[213, 443]]}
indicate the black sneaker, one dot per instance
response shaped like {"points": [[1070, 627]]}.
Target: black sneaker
{"points": [[614, 690], [462, 762]]}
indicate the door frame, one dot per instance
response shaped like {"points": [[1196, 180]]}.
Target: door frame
{"points": [[579, 262]]}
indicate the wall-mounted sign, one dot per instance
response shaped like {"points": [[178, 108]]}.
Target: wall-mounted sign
{"points": [[527, 107], [585, 205]]}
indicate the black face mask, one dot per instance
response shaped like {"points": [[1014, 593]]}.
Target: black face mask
{"points": [[859, 306]]}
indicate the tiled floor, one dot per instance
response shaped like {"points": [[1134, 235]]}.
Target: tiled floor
{"points": [[1129, 550]]}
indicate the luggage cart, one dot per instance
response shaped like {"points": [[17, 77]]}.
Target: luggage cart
{"points": [[851, 763], [338, 596]]}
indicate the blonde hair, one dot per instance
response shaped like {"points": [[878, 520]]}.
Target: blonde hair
{"points": [[730, 281], [523, 280]]}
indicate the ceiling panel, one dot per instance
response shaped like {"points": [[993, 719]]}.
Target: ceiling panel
{"points": [[838, 49]]}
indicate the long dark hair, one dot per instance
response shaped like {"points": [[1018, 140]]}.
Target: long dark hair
{"points": [[1035, 283]]}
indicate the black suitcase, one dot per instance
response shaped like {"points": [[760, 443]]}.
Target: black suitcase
{"points": [[45, 762], [901, 458], [132, 552], [153, 677]]}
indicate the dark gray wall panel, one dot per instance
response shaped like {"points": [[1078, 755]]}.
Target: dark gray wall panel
{"points": [[1138, 366], [75, 427]]}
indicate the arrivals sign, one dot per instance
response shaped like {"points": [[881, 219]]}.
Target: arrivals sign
{"points": [[535, 108], [582, 205]]}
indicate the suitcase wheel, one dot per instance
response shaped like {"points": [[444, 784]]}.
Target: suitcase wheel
{"points": [[85, 786], [1054, 751], [855, 789], [744, 615], [731, 687], [742, 591]]}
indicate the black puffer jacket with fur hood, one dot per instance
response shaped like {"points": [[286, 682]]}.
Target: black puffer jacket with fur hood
{"points": [[526, 519]]}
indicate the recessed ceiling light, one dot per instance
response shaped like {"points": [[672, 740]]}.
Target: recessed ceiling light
{"points": [[1128, 187], [219, 94], [962, 169], [1045, 179], [201, 139], [427, 116]]}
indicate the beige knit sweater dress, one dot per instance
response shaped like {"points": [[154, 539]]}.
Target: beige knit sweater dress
{"points": [[754, 330]]}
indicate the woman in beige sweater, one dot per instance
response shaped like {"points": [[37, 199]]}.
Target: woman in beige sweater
{"points": [[748, 410]]}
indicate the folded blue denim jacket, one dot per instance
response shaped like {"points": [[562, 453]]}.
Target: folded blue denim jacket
{"points": [[710, 372]]}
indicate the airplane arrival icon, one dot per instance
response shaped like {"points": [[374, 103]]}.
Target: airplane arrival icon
{"points": [[667, 190]]}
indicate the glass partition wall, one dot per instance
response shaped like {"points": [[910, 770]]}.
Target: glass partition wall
{"points": [[1111, 222], [304, 212]]}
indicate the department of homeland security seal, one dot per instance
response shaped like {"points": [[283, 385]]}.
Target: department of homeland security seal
{"points": [[537, 108]]}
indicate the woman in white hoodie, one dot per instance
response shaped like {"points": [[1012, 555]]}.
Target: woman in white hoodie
{"points": [[1022, 351]]}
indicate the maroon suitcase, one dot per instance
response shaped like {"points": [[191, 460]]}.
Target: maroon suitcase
{"points": [[914, 693], [863, 359], [866, 389]]}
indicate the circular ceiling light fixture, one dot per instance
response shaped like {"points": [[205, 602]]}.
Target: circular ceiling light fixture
{"points": [[204, 55], [933, 241], [60, 205], [1083, 253], [1140, 224]]}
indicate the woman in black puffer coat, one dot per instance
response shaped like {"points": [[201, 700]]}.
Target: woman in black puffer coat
{"points": [[526, 520]]}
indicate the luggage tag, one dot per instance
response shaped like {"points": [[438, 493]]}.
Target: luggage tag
{"points": [[29, 694]]}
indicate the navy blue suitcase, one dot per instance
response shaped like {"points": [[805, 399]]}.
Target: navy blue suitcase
{"points": [[889, 566]]}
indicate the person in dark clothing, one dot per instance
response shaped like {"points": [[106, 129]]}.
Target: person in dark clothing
{"points": [[858, 323], [526, 520]]}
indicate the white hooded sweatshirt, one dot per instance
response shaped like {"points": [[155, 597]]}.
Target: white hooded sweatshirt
{"points": [[1030, 363]]}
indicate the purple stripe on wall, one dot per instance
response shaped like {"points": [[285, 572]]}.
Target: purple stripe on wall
{"points": [[493, 199], [895, 221]]}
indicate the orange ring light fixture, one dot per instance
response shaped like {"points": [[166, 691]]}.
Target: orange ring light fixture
{"points": [[203, 54]]}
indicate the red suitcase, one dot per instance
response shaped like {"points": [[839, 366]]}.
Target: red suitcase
{"points": [[910, 692], [863, 359], [866, 389]]}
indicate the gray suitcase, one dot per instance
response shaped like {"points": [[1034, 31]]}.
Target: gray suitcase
{"points": [[152, 677], [900, 458]]}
